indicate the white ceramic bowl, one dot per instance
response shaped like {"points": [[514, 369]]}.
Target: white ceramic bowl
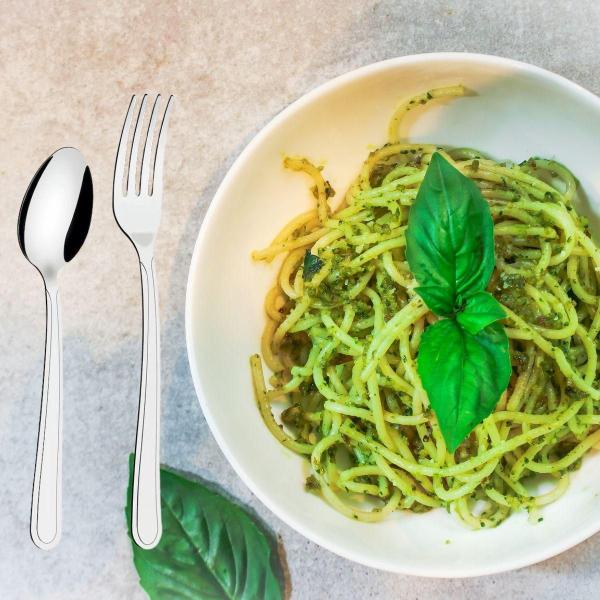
{"points": [[518, 111]]}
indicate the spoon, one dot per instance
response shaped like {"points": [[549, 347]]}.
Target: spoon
{"points": [[53, 224]]}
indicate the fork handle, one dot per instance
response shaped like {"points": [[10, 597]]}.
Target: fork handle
{"points": [[45, 524], [146, 524]]}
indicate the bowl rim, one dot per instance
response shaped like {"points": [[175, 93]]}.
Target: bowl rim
{"points": [[503, 564]]}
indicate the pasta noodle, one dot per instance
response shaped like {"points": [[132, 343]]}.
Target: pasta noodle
{"points": [[342, 342]]}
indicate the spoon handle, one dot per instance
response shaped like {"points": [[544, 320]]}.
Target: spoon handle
{"points": [[46, 508], [146, 524]]}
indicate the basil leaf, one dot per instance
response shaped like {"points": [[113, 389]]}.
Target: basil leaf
{"points": [[438, 299], [480, 310], [463, 375], [312, 265], [210, 547], [450, 234]]}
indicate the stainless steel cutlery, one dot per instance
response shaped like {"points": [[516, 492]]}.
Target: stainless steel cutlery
{"points": [[137, 200], [53, 224]]}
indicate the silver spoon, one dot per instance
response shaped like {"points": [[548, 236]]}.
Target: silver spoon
{"points": [[53, 224]]}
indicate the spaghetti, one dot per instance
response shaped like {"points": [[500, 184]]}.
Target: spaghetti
{"points": [[342, 341]]}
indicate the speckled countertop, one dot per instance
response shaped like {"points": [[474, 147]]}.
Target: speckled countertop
{"points": [[67, 70]]}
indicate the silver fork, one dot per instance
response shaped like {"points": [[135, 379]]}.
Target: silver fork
{"points": [[138, 215]]}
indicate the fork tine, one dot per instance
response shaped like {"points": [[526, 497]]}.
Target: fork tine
{"points": [[160, 149], [131, 187], [148, 149], [122, 150]]}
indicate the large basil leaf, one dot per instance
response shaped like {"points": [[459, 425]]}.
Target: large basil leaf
{"points": [[450, 235], [210, 548], [479, 311], [463, 375]]}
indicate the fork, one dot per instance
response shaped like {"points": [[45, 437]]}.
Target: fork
{"points": [[137, 211]]}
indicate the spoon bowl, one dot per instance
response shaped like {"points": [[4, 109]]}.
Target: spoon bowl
{"points": [[56, 211]]}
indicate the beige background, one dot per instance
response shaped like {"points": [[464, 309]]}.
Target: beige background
{"points": [[67, 70]]}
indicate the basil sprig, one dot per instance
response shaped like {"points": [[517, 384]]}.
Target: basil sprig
{"points": [[463, 361]]}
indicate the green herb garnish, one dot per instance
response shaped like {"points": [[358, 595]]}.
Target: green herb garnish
{"points": [[312, 265], [480, 310], [210, 547], [463, 360]]}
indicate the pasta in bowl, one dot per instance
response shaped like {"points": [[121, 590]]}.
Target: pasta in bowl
{"points": [[337, 127], [345, 320]]}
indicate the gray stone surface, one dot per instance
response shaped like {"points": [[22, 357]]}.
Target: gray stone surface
{"points": [[66, 72]]}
